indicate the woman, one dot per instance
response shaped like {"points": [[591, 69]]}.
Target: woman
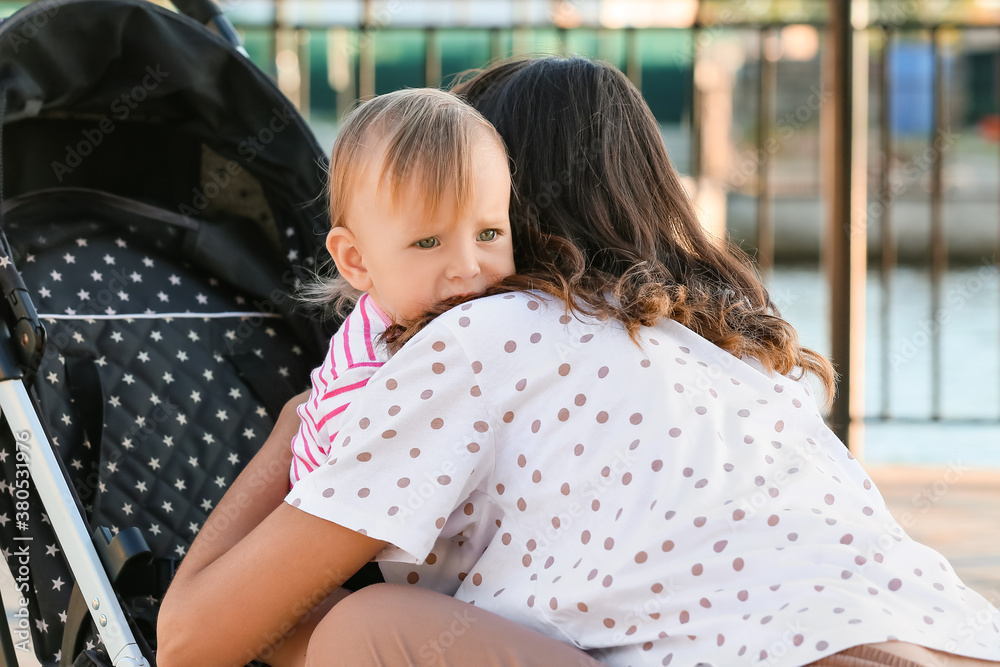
{"points": [[631, 439]]}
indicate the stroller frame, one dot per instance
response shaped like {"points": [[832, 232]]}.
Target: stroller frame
{"points": [[40, 461]]}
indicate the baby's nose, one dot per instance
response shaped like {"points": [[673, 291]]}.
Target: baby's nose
{"points": [[464, 264]]}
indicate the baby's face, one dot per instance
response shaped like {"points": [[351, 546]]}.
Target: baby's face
{"points": [[415, 261]]}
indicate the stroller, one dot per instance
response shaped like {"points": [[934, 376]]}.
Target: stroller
{"points": [[160, 199]]}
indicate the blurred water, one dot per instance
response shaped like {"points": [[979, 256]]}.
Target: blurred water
{"points": [[970, 352]]}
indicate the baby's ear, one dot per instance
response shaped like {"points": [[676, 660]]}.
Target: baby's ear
{"points": [[343, 247]]}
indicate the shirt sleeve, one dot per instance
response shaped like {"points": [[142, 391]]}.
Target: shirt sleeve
{"points": [[322, 415], [355, 353], [414, 448]]}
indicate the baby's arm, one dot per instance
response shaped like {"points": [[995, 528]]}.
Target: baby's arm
{"points": [[353, 357]]}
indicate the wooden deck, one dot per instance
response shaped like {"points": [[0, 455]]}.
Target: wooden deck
{"points": [[956, 511]]}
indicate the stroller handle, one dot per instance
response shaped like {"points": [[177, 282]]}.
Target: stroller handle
{"points": [[210, 14]]}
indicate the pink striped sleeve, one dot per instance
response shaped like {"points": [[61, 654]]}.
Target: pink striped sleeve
{"points": [[347, 340], [323, 376], [352, 359], [312, 459], [368, 329], [331, 414], [345, 389]]}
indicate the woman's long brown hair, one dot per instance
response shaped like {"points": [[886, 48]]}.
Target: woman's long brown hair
{"points": [[599, 209]]}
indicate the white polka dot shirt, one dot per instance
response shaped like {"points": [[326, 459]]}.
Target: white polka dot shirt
{"points": [[656, 504]]}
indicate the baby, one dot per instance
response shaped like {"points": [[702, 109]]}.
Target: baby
{"points": [[419, 194]]}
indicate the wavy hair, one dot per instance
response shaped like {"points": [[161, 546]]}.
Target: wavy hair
{"points": [[599, 209]]}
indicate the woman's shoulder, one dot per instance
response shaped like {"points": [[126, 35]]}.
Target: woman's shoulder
{"points": [[505, 304], [515, 310], [514, 316], [518, 315], [502, 323]]}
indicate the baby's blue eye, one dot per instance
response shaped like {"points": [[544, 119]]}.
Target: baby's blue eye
{"points": [[488, 235], [426, 243]]}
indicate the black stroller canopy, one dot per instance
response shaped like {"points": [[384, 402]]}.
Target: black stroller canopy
{"points": [[160, 68], [162, 112]]}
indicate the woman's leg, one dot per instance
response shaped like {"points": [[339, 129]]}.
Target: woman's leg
{"points": [[289, 650], [898, 654], [390, 624]]}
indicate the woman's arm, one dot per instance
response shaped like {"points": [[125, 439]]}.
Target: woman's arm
{"points": [[256, 567], [257, 491]]}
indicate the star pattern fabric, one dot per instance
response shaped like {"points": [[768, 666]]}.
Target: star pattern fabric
{"points": [[179, 421]]}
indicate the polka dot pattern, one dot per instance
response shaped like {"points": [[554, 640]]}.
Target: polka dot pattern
{"points": [[548, 469]]}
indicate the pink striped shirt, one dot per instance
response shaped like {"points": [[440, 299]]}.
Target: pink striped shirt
{"points": [[352, 359]]}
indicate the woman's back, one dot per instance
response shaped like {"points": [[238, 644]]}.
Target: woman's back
{"points": [[665, 498]]}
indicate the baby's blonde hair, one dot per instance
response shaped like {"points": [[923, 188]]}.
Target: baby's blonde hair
{"points": [[424, 139]]}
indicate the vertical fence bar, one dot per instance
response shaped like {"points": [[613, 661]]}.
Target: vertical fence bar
{"points": [[888, 263], [846, 206], [562, 37], [432, 59], [633, 59], [939, 251], [765, 125], [496, 44], [695, 119], [272, 60], [340, 66], [302, 50], [366, 54]]}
